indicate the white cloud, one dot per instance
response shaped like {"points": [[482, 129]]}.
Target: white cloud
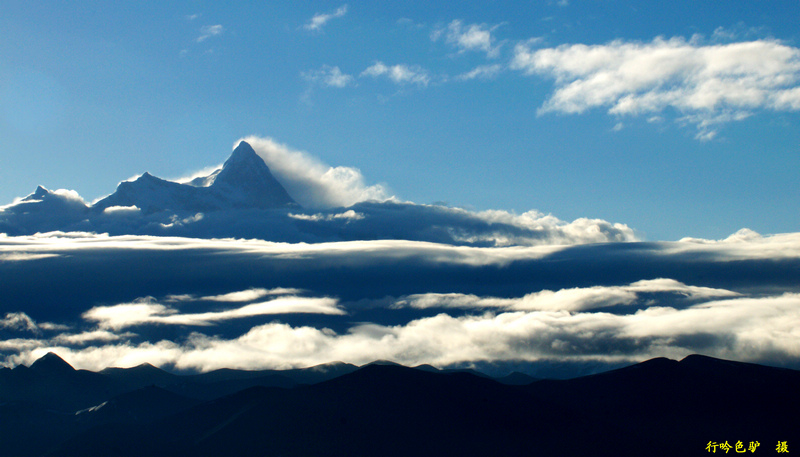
{"points": [[23, 256], [122, 210], [251, 294], [550, 229], [711, 85], [473, 37], [207, 31], [399, 74], [312, 183], [147, 311], [22, 322], [572, 299], [320, 19], [347, 215], [89, 337], [744, 244], [19, 321], [328, 76]]}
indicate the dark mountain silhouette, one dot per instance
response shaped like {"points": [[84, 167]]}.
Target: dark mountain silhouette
{"points": [[52, 365], [658, 407]]}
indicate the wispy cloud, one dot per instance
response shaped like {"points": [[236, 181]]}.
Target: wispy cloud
{"points": [[320, 19], [399, 74], [328, 76], [23, 256], [20, 321], [710, 84], [481, 72], [208, 31], [473, 37]]}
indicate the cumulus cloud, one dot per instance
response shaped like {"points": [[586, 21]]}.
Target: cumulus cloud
{"points": [[208, 31], [709, 84], [399, 74], [320, 19], [312, 183], [328, 76]]}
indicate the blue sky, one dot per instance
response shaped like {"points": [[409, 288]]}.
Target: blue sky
{"points": [[677, 119]]}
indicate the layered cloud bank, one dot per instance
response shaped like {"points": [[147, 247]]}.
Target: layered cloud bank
{"points": [[205, 304]]}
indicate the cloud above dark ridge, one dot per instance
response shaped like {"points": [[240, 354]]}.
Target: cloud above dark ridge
{"points": [[261, 304]]}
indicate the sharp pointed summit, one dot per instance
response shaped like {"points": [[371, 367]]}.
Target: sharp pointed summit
{"points": [[243, 182], [248, 181]]}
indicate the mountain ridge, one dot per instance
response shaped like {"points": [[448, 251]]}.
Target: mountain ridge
{"points": [[389, 409]]}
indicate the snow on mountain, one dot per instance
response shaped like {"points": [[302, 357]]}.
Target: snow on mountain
{"points": [[243, 199], [244, 181]]}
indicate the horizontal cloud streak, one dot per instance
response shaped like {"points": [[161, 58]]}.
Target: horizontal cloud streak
{"points": [[148, 312], [574, 299], [407, 301], [251, 294]]}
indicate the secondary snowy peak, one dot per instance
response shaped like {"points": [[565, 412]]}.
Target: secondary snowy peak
{"points": [[243, 182], [39, 194]]}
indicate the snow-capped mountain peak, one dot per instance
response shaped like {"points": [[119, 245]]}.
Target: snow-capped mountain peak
{"points": [[244, 181]]}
